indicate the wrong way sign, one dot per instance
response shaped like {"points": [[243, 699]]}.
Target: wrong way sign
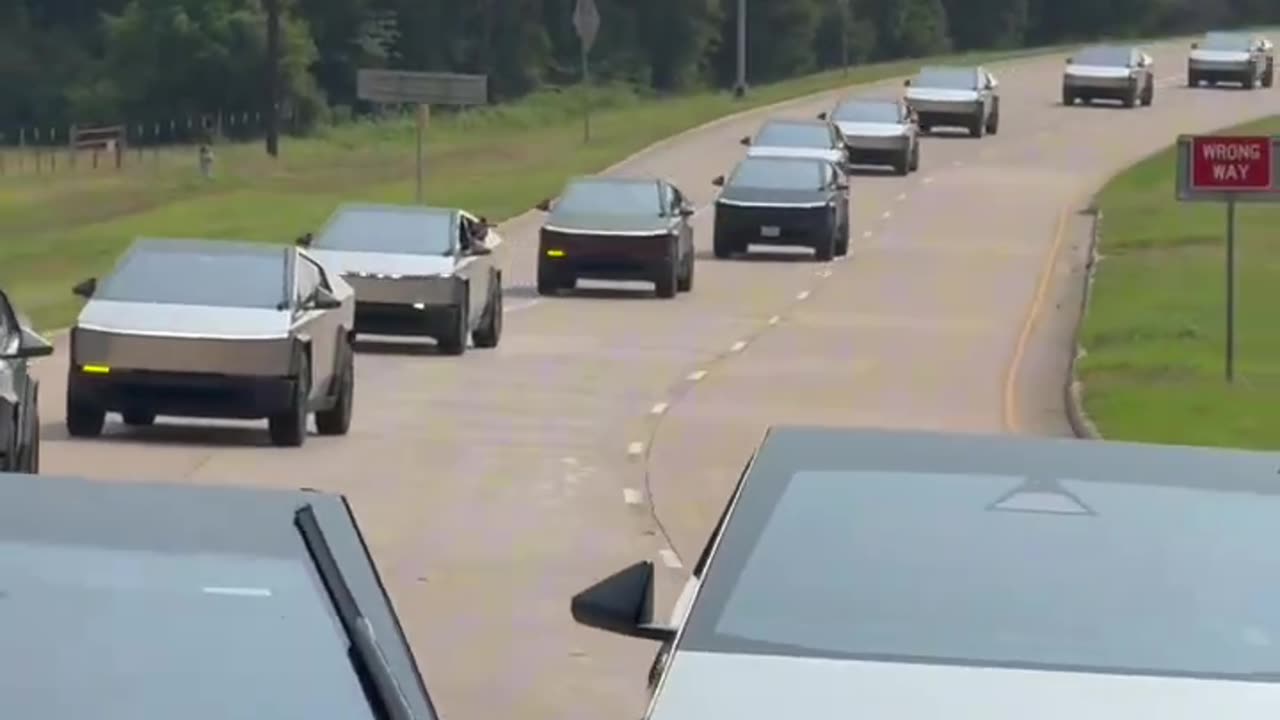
{"points": [[1218, 168], [1239, 164]]}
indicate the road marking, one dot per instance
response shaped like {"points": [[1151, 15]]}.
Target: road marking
{"points": [[238, 591], [658, 409], [1011, 420], [902, 196], [824, 273], [569, 460], [631, 496], [956, 163], [670, 559], [866, 234], [802, 295], [738, 346], [775, 320], [697, 375], [927, 179], [520, 306], [886, 214], [635, 448]]}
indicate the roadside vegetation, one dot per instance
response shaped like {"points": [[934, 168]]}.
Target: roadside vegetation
{"points": [[1156, 325]]}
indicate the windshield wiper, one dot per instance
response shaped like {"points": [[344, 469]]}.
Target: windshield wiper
{"points": [[366, 654]]}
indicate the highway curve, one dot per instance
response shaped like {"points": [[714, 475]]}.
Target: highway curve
{"points": [[494, 485]]}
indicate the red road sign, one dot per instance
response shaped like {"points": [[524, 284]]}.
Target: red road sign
{"points": [[1231, 164]]}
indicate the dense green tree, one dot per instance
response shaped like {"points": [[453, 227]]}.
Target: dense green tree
{"points": [[83, 61]]}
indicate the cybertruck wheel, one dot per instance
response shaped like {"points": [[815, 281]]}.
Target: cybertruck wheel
{"points": [[666, 284], [1251, 82], [29, 461], [1269, 75], [915, 157], [825, 250], [1149, 93], [685, 284], [336, 420], [1068, 97], [842, 241], [977, 127], [902, 164], [138, 418], [289, 428], [84, 419], [721, 245], [490, 331], [548, 283], [455, 342]]}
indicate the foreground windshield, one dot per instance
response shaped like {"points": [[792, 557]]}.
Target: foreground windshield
{"points": [[794, 135], [938, 567], [947, 78], [116, 633], [599, 197], [1104, 56], [868, 112], [198, 274], [779, 174], [389, 231], [1226, 41]]}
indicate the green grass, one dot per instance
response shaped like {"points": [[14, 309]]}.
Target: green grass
{"points": [[1156, 325], [497, 161]]}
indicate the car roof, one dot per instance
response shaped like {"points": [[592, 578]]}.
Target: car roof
{"points": [[793, 121], [394, 208], [869, 101], [188, 521], [614, 179], [209, 246], [788, 449]]}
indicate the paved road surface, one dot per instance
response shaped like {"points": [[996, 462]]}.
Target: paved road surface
{"points": [[494, 485]]}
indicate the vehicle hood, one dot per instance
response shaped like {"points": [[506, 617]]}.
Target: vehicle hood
{"points": [[1098, 71], [192, 321], [588, 223], [346, 262], [868, 129], [1221, 55], [941, 94], [832, 154], [770, 197], [699, 686]]}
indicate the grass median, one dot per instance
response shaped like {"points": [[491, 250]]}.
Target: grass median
{"points": [[1156, 325], [497, 161]]}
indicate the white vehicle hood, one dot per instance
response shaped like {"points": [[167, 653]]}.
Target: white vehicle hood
{"points": [[868, 129], [699, 686], [941, 94], [831, 154], [344, 262], [1220, 55], [186, 321], [1098, 71]]}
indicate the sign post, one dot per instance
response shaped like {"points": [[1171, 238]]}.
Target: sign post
{"points": [[424, 90], [1228, 169], [586, 22]]}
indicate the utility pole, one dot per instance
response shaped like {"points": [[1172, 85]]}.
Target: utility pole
{"points": [[740, 88], [272, 111]]}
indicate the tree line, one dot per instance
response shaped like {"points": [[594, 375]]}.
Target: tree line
{"points": [[105, 61]]}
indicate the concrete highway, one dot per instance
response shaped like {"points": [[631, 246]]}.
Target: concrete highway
{"points": [[609, 426]]}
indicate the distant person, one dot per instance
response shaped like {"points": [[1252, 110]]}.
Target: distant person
{"points": [[206, 160]]}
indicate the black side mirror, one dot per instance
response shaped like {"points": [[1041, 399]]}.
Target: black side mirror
{"points": [[85, 288], [31, 345], [686, 211], [303, 240], [479, 249], [544, 206], [1070, 60], [622, 604], [822, 116], [746, 141], [1195, 46], [324, 301], [906, 83], [718, 181]]}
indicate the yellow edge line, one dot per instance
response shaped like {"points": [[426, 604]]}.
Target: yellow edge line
{"points": [[1012, 422]]}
